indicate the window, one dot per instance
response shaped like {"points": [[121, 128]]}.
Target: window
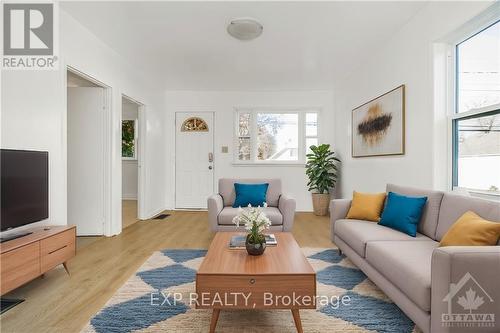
{"points": [[265, 136], [476, 123], [129, 139], [311, 131], [194, 124]]}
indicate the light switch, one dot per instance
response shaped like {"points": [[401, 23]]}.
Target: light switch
{"points": [[225, 149]]}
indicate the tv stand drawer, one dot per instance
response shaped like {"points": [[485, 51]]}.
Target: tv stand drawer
{"points": [[57, 249], [25, 258], [20, 266]]}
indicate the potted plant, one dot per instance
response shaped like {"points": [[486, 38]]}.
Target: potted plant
{"points": [[255, 222], [322, 170]]}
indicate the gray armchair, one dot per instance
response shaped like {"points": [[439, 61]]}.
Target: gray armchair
{"points": [[280, 209]]}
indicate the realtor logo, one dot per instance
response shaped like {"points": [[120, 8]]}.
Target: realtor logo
{"points": [[28, 29], [469, 305], [29, 36]]}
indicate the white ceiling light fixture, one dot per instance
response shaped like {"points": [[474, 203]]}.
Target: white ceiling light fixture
{"points": [[245, 28]]}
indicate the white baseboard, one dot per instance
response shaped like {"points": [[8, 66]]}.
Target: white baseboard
{"points": [[153, 213]]}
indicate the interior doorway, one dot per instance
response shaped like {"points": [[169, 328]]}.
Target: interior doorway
{"points": [[87, 111], [132, 152]]}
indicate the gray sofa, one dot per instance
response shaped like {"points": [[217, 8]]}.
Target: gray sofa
{"points": [[415, 272], [280, 209]]}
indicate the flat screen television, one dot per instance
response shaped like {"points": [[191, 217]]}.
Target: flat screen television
{"points": [[24, 187]]}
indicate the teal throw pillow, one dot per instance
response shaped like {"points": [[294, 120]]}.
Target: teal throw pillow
{"points": [[250, 194], [403, 213]]}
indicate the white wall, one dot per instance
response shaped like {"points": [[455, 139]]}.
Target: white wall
{"points": [[31, 119], [407, 58], [129, 167], [34, 116], [223, 104]]}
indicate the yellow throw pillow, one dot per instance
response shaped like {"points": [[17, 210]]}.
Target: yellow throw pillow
{"points": [[471, 229], [366, 206]]}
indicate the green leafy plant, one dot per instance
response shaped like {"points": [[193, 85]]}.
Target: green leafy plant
{"points": [[321, 168], [128, 137]]}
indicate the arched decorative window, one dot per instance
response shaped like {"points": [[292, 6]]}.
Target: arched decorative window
{"points": [[194, 124]]}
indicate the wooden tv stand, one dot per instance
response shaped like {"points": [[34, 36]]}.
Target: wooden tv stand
{"points": [[26, 258]]}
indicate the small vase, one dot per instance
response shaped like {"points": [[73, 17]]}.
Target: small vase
{"points": [[255, 249]]}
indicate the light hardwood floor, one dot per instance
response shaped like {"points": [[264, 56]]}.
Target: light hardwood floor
{"points": [[129, 213], [62, 303], [82, 241]]}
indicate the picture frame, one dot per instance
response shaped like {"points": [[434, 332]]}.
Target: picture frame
{"points": [[378, 126]]}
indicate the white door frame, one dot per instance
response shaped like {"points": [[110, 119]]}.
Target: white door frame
{"points": [[141, 118], [107, 145], [193, 110]]}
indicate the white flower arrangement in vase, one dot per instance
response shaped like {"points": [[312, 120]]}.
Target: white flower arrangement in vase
{"points": [[255, 222]]}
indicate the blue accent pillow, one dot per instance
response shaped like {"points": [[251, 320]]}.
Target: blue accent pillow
{"points": [[253, 194], [403, 213]]}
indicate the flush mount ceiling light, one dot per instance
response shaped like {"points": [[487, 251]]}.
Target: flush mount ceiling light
{"points": [[244, 28]]}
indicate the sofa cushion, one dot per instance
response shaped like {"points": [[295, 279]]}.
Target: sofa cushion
{"points": [[455, 205], [471, 230], [366, 206], [430, 214], [250, 194], [407, 265], [227, 214], [403, 213], [226, 189], [356, 233]]}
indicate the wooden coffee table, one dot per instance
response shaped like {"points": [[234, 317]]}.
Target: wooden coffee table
{"points": [[281, 278]]}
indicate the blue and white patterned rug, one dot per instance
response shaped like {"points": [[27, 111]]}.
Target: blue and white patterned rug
{"points": [[147, 302]]}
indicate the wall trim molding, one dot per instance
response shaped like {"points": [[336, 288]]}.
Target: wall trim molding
{"points": [[153, 213]]}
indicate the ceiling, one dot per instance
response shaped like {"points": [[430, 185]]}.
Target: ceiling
{"points": [[305, 45]]}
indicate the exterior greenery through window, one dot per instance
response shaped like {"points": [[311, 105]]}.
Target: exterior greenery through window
{"points": [[264, 136], [476, 122], [129, 148]]}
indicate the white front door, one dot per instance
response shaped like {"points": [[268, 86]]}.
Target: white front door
{"points": [[85, 160], [194, 164]]}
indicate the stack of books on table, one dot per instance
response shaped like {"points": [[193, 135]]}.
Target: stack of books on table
{"points": [[238, 241]]}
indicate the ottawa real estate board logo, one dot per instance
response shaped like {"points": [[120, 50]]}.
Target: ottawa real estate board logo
{"points": [[29, 36], [469, 305]]}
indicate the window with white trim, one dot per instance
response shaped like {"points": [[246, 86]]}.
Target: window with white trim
{"points": [[274, 136], [476, 122]]}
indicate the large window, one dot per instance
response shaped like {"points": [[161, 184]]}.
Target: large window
{"points": [[476, 123], [270, 136]]}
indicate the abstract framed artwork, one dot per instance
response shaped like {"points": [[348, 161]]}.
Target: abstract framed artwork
{"points": [[378, 126]]}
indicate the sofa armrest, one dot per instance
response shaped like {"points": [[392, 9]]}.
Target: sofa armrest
{"points": [[287, 205], [338, 210], [215, 206], [457, 269]]}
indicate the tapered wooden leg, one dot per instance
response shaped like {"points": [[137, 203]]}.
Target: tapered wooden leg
{"points": [[66, 267], [213, 322], [296, 319]]}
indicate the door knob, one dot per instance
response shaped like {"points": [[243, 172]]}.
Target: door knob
{"points": [[210, 167]]}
